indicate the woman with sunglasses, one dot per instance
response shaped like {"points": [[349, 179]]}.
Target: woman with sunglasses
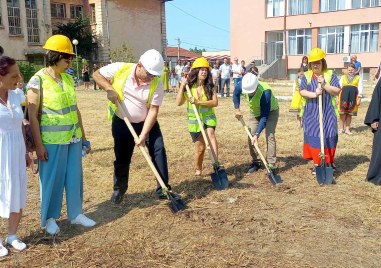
{"points": [[59, 136], [315, 82]]}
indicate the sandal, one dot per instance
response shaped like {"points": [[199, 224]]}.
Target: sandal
{"points": [[198, 173]]}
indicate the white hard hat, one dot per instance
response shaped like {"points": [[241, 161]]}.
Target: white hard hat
{"points": [[152, 61], [249, 83]]}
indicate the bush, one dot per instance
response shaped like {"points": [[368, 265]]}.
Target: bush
{"points": [[28, 69]]}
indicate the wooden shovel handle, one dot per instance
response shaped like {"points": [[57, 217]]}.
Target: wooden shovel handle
{"points": [[321, 127], [201, 125], [142, 148], [255, 145]]}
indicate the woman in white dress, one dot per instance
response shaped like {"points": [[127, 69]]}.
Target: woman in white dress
{"points": [[13, 179]]}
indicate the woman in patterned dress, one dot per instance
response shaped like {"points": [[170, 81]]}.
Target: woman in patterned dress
{"points": [[310, 91]]}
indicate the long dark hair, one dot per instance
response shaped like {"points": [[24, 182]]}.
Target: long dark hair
{"points": [[208, 82], [6, 63]]}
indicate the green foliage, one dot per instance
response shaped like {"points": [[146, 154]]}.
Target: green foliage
{"points": [[81, 62], [197, 50], [122, 54], [80, 30], [28, 69]]}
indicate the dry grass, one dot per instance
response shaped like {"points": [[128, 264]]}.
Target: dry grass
{"points": [[252, 224]]}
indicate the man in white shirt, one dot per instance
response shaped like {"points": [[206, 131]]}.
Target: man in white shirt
{"points": [[237, 71], [225, 70], [215, 73], [179, 70], [139, 88]]}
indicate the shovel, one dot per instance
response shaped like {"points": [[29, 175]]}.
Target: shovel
{"points": [[219, 177], [175, 204], [274, 179], [324, 173]]}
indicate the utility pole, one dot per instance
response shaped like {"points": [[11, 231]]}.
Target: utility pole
{"points": [[178, 48]]}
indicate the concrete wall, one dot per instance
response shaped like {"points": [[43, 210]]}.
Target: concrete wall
{"points": [[136, 23], [16, 46], [249, 26]]}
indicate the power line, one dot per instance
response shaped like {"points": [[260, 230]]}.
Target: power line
{"points": [[211, 25], [197, 45]]}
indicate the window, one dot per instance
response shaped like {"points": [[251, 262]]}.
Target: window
{"points": [[76, 11], [32, 21], [92, 14], [14, 19], [275, 8], [365, 3], [297, 7], [331, 5], [299, 42], [58, 10], [331, 39], [364, 38]]}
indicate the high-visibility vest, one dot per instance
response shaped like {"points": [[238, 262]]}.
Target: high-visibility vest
{"points": [[327, 77], [59, 118], [354, 82], [255, 101], [207, 115], [120, 78]]}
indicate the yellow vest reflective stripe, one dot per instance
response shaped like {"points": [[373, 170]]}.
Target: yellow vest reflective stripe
{"points": [[354, 82], [255, 101], [207, 115], [327, 77], [120, 78], [59, 119]]}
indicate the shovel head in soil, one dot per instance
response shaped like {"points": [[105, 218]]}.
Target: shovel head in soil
{"points": [[220, 179], [324, 174], [175, 204], [274, 179]]}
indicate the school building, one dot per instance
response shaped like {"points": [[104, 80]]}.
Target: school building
{"points": [[279, 32], [25, 25]]}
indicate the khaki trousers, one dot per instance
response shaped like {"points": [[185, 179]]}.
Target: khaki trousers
{"points": [[272, 121]]}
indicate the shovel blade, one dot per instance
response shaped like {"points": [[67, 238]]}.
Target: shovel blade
{"points": [[220, 179], [274, 179], [324, 174], [175, 204]]}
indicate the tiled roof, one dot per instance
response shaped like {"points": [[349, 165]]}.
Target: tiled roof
{"points": [[172, 52]]}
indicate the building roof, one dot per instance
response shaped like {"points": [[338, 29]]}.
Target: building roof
{"points": [[172, 52]]}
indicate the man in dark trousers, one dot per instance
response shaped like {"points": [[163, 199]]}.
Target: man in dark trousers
{"points": [[95, 67], [372, 119]]}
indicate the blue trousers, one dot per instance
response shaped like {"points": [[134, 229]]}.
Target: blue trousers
{"points": [[62, 171]]}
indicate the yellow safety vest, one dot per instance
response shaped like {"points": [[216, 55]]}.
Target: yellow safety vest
{"points": [[327, 77], [255, 101], [120, 78], [59, 118], [207, 114]]}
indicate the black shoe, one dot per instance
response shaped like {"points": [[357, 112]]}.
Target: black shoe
{"points": [[254, 167], [163, 196], [117, 197]]}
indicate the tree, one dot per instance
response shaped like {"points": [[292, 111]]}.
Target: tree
{"points": [[197, 50], [122, 54], [80, 30]]}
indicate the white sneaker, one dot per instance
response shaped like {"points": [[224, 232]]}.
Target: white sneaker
{"points": [[3, 250], [17, 244], [52, 227], [83, 220]]}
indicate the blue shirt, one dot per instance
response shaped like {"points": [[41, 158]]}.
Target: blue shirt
{"points": [[265, 105]]}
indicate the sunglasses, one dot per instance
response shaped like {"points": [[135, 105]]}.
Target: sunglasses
{"points": [[67, 56], [149, 74]]}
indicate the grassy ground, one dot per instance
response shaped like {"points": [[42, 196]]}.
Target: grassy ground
{"points": [[252, 224]]}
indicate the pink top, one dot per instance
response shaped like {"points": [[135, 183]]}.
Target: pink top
{"points": [[135, 96]]}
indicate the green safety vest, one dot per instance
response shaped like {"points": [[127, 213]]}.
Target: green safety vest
{"points": [[255, 101], [59, 117], [120, 78], [207, 115], [327, 77]]}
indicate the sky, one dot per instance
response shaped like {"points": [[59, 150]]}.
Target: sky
{"points": [[199, 23]]}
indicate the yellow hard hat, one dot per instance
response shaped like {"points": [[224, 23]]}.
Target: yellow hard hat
{"points": [[316, 54], [200, 63], [59, 43]]}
